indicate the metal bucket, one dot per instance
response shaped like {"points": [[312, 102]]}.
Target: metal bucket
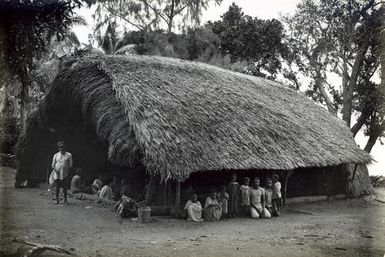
{"points": [[144, 214]]}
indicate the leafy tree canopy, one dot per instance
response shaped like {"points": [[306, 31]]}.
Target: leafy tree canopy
{"points": [[339, 38], [150, 15], [244, 38]]}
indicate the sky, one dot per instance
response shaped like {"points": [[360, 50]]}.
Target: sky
{"points": [[263, 10]]}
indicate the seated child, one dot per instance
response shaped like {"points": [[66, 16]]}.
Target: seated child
{"points": [[77, 183], [223, 198], [194, 209], [97, 185], [106, 191], [213, 210]]}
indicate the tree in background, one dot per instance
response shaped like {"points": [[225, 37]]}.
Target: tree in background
{"points": [[26, 31], [258, 42], [110, 39], [339, 38], [236, 42], [150, 15]]}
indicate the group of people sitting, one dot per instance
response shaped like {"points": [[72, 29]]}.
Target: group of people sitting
{"points": [[232, 201], [238, 200], [62, 164], [108, 188]]}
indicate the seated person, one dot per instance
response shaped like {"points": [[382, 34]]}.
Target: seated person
{"points": [[257, 201], [77, 183], [194, 209], [106, 191], [223, 199], [97, 185], [213, 210], [126, 207]]}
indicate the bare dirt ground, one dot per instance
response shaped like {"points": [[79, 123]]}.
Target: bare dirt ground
{"points": [[338, 228]]}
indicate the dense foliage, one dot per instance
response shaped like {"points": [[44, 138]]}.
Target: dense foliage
{"points": [[339, 39]]}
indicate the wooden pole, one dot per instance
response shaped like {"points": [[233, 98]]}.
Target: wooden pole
{"points": [[177, 199], [151, 190], [287, 175], [163, 193], [354, 172], [169, 192]]}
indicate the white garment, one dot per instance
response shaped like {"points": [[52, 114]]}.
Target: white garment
{"points": [[258, 212], [106, 192], [194, 211], [277, 190], [52, 177], [61, 164]]}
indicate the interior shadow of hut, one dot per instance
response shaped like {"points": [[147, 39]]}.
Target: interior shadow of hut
{"points": [[324, 181], [82, 116], [303, 182], [202, 183]]}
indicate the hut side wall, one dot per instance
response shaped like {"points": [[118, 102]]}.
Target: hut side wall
{"points": [[316, 181], [81, 109]]}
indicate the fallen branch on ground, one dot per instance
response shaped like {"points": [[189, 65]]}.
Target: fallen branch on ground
{"points": [[378, 200], [39, 248], [300, 211]]}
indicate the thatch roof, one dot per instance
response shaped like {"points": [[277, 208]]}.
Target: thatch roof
{"points": [[183, 117]]}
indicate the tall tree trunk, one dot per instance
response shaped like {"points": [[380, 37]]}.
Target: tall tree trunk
{"points": [[24, 98], [329, 102], [321, 88], [171, 17], [371, 142], [349, 87], [358, 125], [373, 137]]}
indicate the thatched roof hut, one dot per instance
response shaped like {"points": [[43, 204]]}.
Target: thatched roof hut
{"points": [[179, 117]]}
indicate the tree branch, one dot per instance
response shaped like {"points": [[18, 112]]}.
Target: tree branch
{"points": [[358, 125], [373, 138], [122, 17], [182, 8], [39, 248], [155, 10]]}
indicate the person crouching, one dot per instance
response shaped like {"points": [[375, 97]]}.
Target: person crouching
{"points": [[194, 209]]}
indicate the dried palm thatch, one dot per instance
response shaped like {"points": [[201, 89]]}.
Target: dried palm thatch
{"points": [[182, 117]]}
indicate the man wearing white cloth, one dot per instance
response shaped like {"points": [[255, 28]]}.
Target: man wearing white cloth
{"points": [[61, 165]]}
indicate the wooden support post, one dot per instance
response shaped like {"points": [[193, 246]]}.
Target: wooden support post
{"points": [[48, 169], [287, 175], [349, 180], [151, 190], [177, 199], [169, 193], [163, 193], [354, 172]]}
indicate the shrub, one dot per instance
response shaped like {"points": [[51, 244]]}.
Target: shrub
{"points": [[9, 133]]}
